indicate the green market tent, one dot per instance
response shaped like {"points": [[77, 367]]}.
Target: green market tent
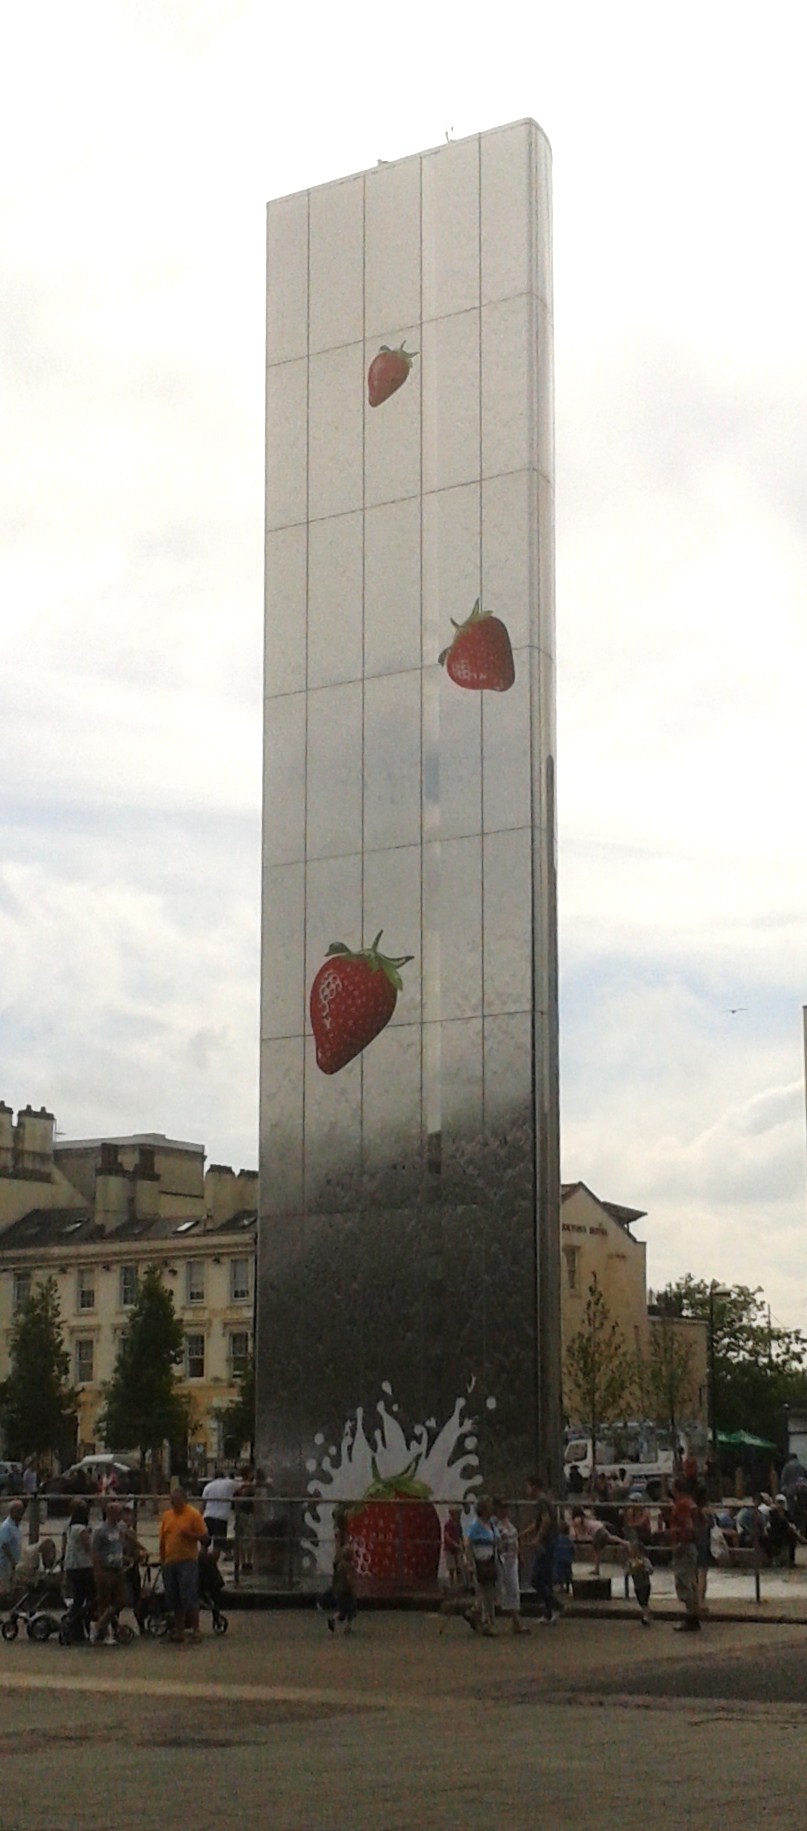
{"points": [[743, 1440]]}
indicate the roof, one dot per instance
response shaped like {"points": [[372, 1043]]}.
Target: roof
{"points": [[623, 1216], [51, 1227], [157, 1140]]}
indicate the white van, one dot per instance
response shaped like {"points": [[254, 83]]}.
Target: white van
{"points": [[641, 1452]]}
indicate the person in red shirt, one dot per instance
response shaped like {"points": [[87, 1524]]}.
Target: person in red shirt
{"points": [[683, 1527]]}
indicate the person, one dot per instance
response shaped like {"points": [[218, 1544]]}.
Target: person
{"points": [[30, 1479], [704, 1521], [453, 1549], [508, 1589], [108, 1553], [781, 1537], [564, 1556], [79, 1576], [217, 1505], [597, 1534], [483, 1544], [135, 1554], [685, 1569], [542, 1536], [638, 1524], [339, 1600], [10, 1546], [640, 1571], [35, 1561], [689, 1469], [182, 1531]]}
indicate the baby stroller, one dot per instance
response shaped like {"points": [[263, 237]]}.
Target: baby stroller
{"points": [[156, 1616], [36, 1608]]}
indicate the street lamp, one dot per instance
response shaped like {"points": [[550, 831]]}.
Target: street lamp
{"points": [[715, 1290]]}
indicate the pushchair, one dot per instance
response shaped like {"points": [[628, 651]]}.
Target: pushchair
{"points": [[156, 1616], [40, 1608]]}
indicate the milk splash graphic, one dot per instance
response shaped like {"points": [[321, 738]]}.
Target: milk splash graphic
{"points": [[444, 1460]]}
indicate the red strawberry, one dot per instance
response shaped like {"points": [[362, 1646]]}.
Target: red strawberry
{"points": [[388, 372], [480, 656], [352, 998], [395, 1533]]}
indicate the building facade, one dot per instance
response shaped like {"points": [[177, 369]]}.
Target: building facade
{"points": [[408, 1313], [111, 1208]]}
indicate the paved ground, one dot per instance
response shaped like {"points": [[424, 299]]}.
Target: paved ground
{"points": [[592, 1723]]}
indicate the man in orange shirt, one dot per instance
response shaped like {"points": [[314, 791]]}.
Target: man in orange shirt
{"points": [[182, 1531]]}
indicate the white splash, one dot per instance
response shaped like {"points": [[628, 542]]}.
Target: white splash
{"points": [[444, 1460]]}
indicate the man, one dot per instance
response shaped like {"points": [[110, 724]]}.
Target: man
{"points": [[30, 1480], [541, 1535], [108, 1555], [10, 1546], [683, 1528], [217, 1499], [182, 1531]]}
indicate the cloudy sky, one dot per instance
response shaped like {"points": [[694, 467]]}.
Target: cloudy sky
{"points": [[139, 142]]}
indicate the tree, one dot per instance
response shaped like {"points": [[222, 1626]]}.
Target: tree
{"points": [[666, 1379], [37, 1407], [598, 1368], [143, 1407], [238, 1418], [759, 1367]]}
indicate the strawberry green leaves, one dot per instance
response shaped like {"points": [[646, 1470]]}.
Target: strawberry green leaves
{"points": [[352, 999]]}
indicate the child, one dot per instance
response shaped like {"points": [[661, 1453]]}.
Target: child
{"points": [[564, 1553], [483, 1542], [453, 1549], [508, 1593], [640, 1571]]}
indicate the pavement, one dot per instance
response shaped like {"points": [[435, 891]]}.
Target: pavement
{"points": [[592, 1722]]}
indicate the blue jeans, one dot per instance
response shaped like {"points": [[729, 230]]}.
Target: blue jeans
{"points": [[541, 1578]]}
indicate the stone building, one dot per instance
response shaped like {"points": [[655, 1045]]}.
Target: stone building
{"points": [[93, 1214]]}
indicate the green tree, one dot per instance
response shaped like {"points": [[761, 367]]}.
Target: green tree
{"points": [[760, 1367], [143, 1406], [37, 1406], [599, 1374], [665, 1378], [238, 1418]]}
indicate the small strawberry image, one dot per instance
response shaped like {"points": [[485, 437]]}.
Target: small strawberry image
{"points": [[480, 656], [352, 999], [388, 372], [395, 1531]]}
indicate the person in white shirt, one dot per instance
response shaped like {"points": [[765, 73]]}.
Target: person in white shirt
{"points": [[217, 1505]]}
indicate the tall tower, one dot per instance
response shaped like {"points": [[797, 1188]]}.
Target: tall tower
{"points": [[408, 1303]]}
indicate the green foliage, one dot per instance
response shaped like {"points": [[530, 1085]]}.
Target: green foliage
{"points": [[600, 1376], [238, 1418], [665, 1381], [37, 1407], [760, 1368], [143, 1406]]}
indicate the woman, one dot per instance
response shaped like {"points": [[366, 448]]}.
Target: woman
{"points": [[507, 1583], [78, 1573], [483, 1544]]}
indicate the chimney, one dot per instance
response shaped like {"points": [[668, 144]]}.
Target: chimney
{"points": [[6, 1139], [33, 1143], [221, 1193], [247, 1187], [146, 1185], [111, 1204]]}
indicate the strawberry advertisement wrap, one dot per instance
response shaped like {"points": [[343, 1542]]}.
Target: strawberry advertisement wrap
{"points": [[387, 373], [395, 1533], [352, 999], [480, 657]]}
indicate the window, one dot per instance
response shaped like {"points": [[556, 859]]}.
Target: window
{"points": [[239, 1281], [85, 1360], [195, 1281], [195, 1357], [128, 1286], [238, 1352], [22, 1290], [86, 1288], [572, 1256]]}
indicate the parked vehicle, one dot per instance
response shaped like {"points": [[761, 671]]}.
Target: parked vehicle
{"points": [[641, 1451], [11, 1478]]}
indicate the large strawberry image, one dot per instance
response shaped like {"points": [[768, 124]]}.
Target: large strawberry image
{"points": [[395, 1532], [480, 656], [352, 998], [388, 372]]}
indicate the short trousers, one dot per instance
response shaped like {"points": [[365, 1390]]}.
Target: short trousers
{"points": [[181, 1582], [110, 1590], [217, 1528]]}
